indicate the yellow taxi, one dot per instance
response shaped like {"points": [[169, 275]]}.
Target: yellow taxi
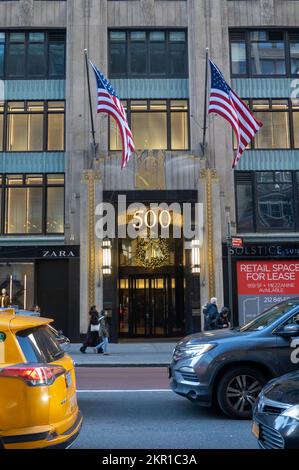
{"points": [[38, 402]]}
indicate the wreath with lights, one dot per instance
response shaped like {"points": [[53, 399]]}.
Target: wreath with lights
{"points": [[152, 252]]}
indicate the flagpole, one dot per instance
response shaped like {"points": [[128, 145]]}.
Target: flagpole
{"points": [[205, 105], [94, 145]]}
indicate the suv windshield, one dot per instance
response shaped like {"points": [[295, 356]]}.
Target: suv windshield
{"points": [[270, 316], [39, 345]]}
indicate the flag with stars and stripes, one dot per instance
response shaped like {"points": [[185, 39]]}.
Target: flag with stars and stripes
{"points": [[225, 102], [108, 102]]}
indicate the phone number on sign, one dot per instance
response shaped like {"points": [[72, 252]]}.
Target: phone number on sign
{"points": [[274, 300]]}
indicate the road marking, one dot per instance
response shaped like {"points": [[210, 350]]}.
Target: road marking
{"points": [[125, 391]]}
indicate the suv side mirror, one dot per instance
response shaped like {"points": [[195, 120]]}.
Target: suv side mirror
{"points": [[289, 330]]}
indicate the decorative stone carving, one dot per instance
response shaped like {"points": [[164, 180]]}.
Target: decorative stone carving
{"points": [[150, 170], [148, 11], [25, 16], [267, 11]]}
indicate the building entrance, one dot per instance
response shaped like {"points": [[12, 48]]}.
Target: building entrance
{"points": [[149, 306]]}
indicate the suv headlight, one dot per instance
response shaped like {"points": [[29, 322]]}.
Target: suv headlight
{"points": [[199, 350], [292, 412]]}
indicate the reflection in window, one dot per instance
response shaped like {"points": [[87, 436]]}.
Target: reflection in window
{"points": [[265, 201], [2, 49], [32, 54], [157, 53], [238, 58], [244, 199]]}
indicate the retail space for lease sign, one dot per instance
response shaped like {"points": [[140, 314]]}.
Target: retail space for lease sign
{"points": [[262, 284]]}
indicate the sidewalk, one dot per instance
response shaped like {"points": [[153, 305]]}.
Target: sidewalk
{"points": [[125, 355]]}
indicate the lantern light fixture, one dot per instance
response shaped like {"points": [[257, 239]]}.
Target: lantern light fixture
{"points": [[107, 249]]}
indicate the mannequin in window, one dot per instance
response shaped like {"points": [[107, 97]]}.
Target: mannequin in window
{"points": [[4, 299]]}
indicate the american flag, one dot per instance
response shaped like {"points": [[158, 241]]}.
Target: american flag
{"points": [[225, 102], [108, 102]]}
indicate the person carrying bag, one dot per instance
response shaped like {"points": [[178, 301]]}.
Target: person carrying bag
{"points": [[93, 332]]}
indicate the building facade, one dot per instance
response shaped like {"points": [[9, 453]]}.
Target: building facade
{"points": [[54, 182]]}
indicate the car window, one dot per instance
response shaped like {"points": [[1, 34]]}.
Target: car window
{"points": [[293, 320], [39, 345], [270, 315]]}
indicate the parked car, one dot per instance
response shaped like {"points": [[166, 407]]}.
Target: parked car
{"points": [[38, 399], [276, 414], [229, 367]]}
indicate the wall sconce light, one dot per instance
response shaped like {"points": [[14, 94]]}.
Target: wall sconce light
{"points": [[107, 248], [195, 257]]}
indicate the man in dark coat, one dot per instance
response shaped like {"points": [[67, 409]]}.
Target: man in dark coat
{"points": [[211, 313]]}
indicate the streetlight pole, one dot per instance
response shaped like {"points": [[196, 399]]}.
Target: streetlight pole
{"points": [[229, 267]]}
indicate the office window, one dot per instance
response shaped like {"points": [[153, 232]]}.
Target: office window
{"points": [[32, 54], [264, 53], [156, 53], [280, 119], [2, 46], [33, 204], [155, 124], [1, 125], [266, 201], [275, 132], [32, 126]]}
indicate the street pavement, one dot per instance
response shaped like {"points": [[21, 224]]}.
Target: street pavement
{"points": [[125, 354], [133, 408]]}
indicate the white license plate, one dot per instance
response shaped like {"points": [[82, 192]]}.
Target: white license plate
{"points": [[256, 429], [68, 379]]}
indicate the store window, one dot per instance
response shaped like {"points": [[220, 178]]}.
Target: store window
{"points": [[33, 204], [266, 201], [156, 124], [32, 126], [32, 54], [140, 53], [18, 280], [266, 53]]}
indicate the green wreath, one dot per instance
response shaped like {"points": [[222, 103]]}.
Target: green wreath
{"points": [[152, 252]]}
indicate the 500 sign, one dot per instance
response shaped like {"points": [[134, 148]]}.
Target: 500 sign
{"points": [[151, 218]]}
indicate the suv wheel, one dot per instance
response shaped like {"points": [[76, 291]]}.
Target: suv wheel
{"points": [[238, 390]]}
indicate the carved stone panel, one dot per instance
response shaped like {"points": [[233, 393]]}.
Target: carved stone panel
{"points": [[150, 170], [25, 15]]}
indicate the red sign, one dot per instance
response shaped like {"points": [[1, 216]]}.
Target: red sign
{"points": [[268, 277], [237, 242]]}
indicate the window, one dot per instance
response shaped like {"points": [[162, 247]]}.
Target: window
{"points": [[266, 201], [263, 53], [157, 53], [32, 126], [156, 124], [280, 119], [2, 42], [32, 204], [32, 54]]}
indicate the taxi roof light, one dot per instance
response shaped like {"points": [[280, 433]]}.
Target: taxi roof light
{"points": [[34, 374]]}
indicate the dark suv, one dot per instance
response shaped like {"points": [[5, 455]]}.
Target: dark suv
{"points": [[230, 367]]}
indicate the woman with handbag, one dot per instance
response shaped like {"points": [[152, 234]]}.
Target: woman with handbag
{"points": [[92, 336]]}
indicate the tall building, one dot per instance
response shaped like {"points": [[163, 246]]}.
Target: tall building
{"points": [[53, 181]]}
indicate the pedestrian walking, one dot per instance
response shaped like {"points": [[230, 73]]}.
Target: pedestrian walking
{"points": [[211, 314], [104, 334], [222, 320], [92, 335]]}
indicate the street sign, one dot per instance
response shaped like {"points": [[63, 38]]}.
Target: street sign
{"points": [[237, 242]]}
